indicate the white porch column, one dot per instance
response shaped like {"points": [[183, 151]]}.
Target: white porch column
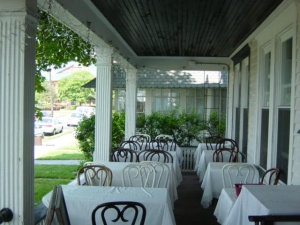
{"points": [[130, 117], [103, 104], [17, 73], [209, 101]]}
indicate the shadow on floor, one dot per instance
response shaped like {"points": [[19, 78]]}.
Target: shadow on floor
{"points": [[187, 208]]}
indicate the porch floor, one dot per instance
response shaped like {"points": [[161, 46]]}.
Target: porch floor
{"points": [[187, 208]]}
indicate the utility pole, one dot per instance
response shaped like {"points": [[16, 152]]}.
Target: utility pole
{"points": [[51, 96]]}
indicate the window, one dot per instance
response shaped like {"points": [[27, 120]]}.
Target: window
{"points": [[283, 127], [165, 99], [265, 89], [141, 100], [195, 100]]}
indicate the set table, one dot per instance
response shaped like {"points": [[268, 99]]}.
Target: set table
{"points": [[212, 182], [264, 200], [81, 201], [117, 169]]}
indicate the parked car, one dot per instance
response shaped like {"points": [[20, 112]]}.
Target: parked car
{"points": [[86, 110], [38, 130], [46, 113], [51, 125], [74, 119]]}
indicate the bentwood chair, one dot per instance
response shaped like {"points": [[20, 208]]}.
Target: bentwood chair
{"points": [[233, 173], [139, 138], [134, 145], [164, 136], [119, 211], [227, 143], [139, 175], [155, 155], [167, 144], [123, 155], [270, 176], [95, 175], [57, 212], [225, 155], [162, 173], [210, 140]]}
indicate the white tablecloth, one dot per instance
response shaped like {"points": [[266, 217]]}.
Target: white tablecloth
{"points": [[212, 182], [81, 200], [117, 168], [265, 200], [226, 200]]}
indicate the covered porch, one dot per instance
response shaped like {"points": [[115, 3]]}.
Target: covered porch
{"points": [[256, 42]]}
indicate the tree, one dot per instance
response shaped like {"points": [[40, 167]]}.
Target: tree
{"points": [[70, 88], [56, 45], [45, 96]]}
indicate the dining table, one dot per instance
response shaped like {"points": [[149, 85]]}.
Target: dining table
{"points": [[212, 182], [117, 170], [265, 200], [175, 163], [207, 157], [225, 202], [82, 200]]}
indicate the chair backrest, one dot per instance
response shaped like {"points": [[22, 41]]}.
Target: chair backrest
{"points": [[162, 173], [154, 144], [167, 144], [233, 173], [138, 175], [225, 155], [123, 155], [155, 155], [134, 145], [57, 209], [270, 176], [139, 138], [164, 136], [95, 175], [117, 211], [227, 142], [210, 140]]}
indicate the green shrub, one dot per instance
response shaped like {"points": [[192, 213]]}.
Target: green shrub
{"points": [[85, 133]]}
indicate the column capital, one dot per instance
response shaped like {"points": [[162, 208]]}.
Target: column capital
{"points": [[104, 56]]}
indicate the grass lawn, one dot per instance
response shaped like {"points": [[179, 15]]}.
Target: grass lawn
{"points": [[47, 176], [63, 155]]}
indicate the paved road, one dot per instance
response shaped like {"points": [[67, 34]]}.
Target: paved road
{"points": [[51, 145]]}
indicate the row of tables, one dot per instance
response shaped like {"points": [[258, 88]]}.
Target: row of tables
{"points": [[253, 199], [159, 202]]}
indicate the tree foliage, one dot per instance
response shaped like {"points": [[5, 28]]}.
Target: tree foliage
{"points": [[70, 88], [56, 45]]}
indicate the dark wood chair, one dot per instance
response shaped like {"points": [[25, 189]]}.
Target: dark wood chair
{"points": [[271, 219], [134, 145], [123, 155], [227, 143], [167, 144], [210, 140], [119, 209], [139, 138], [227, 153], [95, 175], [57, 210], [270, 176], [154, 144], [155, 155]]}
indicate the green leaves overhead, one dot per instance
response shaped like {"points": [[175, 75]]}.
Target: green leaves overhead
{"points": [[56, 45]]}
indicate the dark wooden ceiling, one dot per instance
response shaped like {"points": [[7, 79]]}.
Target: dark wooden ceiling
{"points": [[205, 28]]}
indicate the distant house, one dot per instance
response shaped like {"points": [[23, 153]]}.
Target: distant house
{"points": [[160, 90]]}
